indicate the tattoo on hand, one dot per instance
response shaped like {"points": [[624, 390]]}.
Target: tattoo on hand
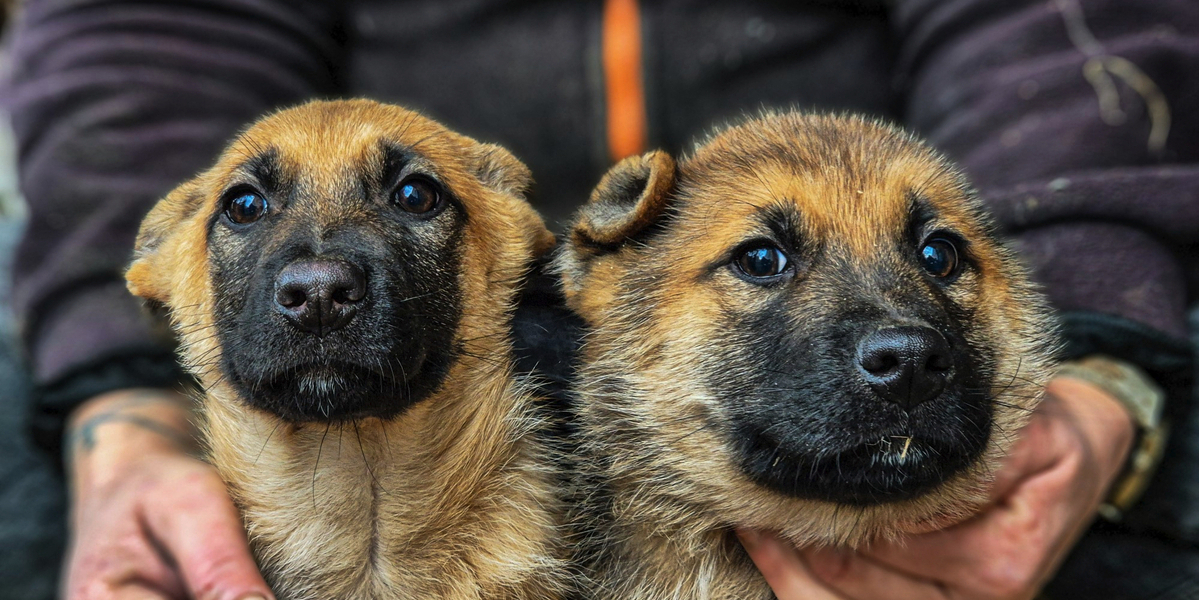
{"points": [[83, 436]]}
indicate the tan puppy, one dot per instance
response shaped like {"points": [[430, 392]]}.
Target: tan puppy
{"points": [[808, 326], [342, 282]]}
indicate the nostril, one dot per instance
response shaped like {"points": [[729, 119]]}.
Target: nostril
{"points": [[879, 363], [351, 288], [939, 362], [290, 297]]}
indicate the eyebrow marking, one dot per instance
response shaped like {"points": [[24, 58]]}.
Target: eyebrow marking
{"points": [[785, 222], [264, 167], [920, 214]]}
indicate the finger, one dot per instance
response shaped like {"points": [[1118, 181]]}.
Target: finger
{"points": [[104, 561], [783, 568], [203, 532], [855, 576], [1003, 549], [1030, 454]]}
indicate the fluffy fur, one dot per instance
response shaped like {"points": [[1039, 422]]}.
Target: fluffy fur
{"points": [[455, 496], [682, 351]]}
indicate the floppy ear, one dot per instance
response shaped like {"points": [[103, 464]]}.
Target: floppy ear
{"points": [[630, 197], [149, 275], [497, 169]]}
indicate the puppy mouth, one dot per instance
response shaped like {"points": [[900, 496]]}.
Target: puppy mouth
{"points": [[330, 390], [894, 466]]}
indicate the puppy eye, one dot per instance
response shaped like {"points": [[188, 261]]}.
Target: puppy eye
{"points": [[246, 207], [939, 257], [417, 196], [762, 261]]}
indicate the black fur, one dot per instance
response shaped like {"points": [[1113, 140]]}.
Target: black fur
{"points": [[398, 347]]}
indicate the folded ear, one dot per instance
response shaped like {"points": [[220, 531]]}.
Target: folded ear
{"points": [[497, 169], [630, 197], [149, 275]]}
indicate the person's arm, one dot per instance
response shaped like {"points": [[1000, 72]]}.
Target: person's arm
{"points": [[114, 103], [1071, 118], [149, 520]]}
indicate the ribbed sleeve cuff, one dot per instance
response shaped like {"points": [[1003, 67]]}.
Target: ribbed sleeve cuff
{"points": [[99, 340]]}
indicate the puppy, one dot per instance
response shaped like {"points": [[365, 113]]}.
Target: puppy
{"points": [[342, 283], [808, 326]]}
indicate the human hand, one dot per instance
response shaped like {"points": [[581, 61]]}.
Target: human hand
{"points": [[149, 520], [1044, 497]]}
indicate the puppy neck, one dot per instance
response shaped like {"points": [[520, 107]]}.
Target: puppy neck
{"points": [[363, 509]]}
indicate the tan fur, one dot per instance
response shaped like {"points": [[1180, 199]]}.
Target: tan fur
{"points": [[454, 498], [674, 490]]}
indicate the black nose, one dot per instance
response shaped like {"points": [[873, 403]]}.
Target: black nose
{"points": [[905, 365], [319, 296]]}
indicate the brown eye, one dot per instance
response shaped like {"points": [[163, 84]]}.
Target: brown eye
{"points": [[417, 196], [245, 208], [939, 257], [762, 262]]}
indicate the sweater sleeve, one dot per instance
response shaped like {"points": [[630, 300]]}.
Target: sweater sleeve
{"points": [[1072, 118], [114, 102]]}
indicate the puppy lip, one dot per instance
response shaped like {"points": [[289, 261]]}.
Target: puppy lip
{"points": [[860, 472], [333, 369]]}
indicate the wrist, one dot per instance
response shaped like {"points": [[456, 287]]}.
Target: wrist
{"points": [[111, 432], [1143, 402]]}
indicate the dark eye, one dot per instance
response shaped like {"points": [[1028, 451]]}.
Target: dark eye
{"points": [[939, 257], [246, 207], [762, 262], [417, 196]]}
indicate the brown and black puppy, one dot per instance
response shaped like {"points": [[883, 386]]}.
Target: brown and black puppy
{"points": [[342, 282], [808, 326]]}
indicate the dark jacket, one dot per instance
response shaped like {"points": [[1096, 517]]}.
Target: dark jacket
{"points": [[1078, 126]]}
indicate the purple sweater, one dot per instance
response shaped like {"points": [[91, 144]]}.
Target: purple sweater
{"points": [[1079, 127]]}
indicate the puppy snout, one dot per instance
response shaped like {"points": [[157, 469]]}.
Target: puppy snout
{"points": [[319, 296], [905, 365]]}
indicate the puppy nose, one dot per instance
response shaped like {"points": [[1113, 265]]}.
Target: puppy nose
{"points": [[905, 365], [319, 296]]}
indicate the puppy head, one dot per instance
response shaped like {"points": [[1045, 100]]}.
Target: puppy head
{"points": [[328, 265], [817, 319]]}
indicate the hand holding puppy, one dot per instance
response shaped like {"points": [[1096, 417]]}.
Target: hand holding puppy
{"points": [[150, 521], [1043, 498]]}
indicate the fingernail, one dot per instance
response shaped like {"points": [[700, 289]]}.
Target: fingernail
{"points": [[253, 597]]}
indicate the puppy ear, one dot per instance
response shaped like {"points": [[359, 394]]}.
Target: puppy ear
{"points": [[497, 169], [630, 197], [148, 276]]}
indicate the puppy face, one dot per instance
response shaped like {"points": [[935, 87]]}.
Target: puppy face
{"points": [[323, 267], [818, 314]]}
